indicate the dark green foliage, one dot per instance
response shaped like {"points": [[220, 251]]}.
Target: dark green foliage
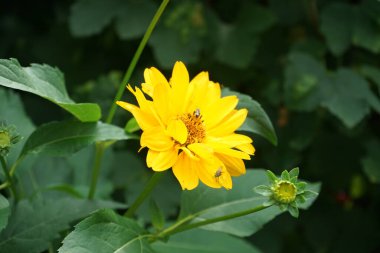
{"points": [[312, 65]]}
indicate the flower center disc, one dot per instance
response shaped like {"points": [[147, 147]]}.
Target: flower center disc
{"points": [[285, 192], [195, 128]]}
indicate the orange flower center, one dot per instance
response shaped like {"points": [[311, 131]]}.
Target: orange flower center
{"points": [[195, 128]]}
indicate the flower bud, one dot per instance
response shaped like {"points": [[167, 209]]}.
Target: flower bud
{"points": [[8, 137]]}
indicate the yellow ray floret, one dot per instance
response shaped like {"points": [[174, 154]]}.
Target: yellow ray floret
{"points": [[189, 127]]}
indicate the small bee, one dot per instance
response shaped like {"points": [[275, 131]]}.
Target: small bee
{"points": [[218, 173], [197, 112]]}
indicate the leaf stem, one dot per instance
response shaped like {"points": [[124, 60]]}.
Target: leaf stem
{"points": [[99, 151], [145, 193], [8, 177], [135, 59], [177, 229]]}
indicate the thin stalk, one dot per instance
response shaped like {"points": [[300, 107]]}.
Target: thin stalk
{"points": [[8, 177], [99, 151], [144, 194], [136, 57], [185, 227]]}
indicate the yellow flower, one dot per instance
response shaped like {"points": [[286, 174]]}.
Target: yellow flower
{"points": [[189, 127]]}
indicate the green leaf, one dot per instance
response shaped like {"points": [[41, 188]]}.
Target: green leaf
{"points": [[201, 241], [304, 80], [133, 18], [371, 162], [157, 217], [4, 212], [349, 97], [106, 232], [257, 120], [32, 225], [132, 126], [67, 137], [371, 73], [285, 175], [239, 41], [211, 203], [366, 32], [337, 26], [90, 17], [46, 82], [271, 176]]}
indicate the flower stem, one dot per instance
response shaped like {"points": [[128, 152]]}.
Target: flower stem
{"points": [[145, 193], [177, 229], [99, 151], [8, 177], [135, 59]]}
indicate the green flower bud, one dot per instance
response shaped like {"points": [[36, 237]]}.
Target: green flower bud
{"points": [[8, 137], [285, 191]]}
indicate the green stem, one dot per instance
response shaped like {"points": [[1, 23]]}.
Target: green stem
{"points": [[145, 193], [135, 59], [8, 176], [178, 229], [99, 151]]}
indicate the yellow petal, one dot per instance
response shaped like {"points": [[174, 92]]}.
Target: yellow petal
{"points": [[153, 77], [162, 160], [230, 123], [189, 153], [201, 150], [232, 152], [144, 120], [156, 139], [180, 88], [177, 129], [225, 180], [235, 166], [161, 101], [185, 173], [231, 140], [247, 148], [216, 112]]}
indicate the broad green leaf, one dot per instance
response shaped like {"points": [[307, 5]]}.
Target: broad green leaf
{"points": [[4, 212], [46, 82], [106, 232], [257, 121], [200, 241], [304, 77], [239, 41], [210, 203], [33, 225], [371, 73], [372, 8], [371, 162], [349, 97], [89, 17], [366, 32], [337, 26], [67, 137]]}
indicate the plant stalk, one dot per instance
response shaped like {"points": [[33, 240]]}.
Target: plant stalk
{"points": [[99, 151], [136, 57], [144, 194], [8, 177], [185, 227]]}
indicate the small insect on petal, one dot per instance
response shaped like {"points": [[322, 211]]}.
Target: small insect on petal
{"points": [[197, 112]]}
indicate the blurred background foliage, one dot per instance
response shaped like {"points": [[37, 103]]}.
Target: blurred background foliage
{"points": [[313, 65]]}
